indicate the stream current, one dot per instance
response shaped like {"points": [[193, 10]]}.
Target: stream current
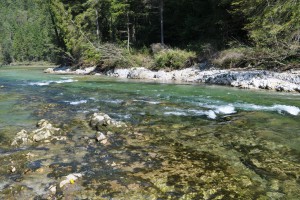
{"points": [[183, 141]]}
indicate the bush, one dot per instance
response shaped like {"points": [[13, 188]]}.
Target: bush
{"points": [[172, 59], [230, 58], [258, 57], [91, 56], [140, 60]]}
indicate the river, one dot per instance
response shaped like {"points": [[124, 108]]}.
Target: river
{"points": [[183, 141]]}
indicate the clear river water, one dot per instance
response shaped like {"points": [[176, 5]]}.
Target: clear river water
{"points": [[183, 141]]}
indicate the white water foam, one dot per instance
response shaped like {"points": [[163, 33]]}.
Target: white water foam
{"points": [[231, 108], [226, 109], [209, 114], [43, 83], [176, 113], [113, 101], [292, 110], [76, 102], [40, 83]]}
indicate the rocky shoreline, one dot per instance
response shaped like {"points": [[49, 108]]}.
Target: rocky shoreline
{"points": [[245, 79], [113, 159]]}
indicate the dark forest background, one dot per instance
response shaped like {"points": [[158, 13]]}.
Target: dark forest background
{"points": [[110, 33]]}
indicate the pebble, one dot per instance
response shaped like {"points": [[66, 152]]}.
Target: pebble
{"points": [[13, 169]]}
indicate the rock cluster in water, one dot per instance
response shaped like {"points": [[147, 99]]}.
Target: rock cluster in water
{"points": [[175, 160], [97, 120], [67, 70], [45, 132], [246, 79]]}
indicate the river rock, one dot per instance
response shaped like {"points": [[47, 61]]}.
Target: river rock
{"points": [[22, 138], [13, 169], [49, 70], [52, 189], [97, 120], [70, 179], [67, 70], [100, 136], [246, 79], [45, 131]]}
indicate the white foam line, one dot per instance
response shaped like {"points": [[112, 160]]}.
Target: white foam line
{"points": [[292, 110], [43, 83], [76, 102]]}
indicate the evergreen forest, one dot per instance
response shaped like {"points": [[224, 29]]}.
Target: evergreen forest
{"points": [[119, 33]]}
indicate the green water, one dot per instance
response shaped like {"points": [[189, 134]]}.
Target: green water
{"points": [[184, 141]]}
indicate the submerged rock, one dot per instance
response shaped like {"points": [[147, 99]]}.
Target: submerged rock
{"points": [[70, 179], [13, 169], [52, 189], [101, 137], [97, 120]]}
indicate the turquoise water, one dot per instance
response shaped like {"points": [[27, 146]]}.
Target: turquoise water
{"points": [[185, 141]]}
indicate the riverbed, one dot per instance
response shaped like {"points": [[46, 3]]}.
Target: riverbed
{"points": [[182, 141]]}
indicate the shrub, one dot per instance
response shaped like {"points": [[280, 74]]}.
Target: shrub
{"points": [[258, 57], [91, 56], [230, 58], [172, 59], [140, 59]]}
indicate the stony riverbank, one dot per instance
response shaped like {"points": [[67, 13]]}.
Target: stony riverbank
{"points": [[246, 79], [109, 159]]}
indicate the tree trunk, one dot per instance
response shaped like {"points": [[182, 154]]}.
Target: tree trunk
{"points": [[272, 19], [161, 8], [128, 32], [97, 25], [60, 41], [133, 31]]}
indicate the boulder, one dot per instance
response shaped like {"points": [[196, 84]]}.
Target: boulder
{"points": [[45, 131], [97, 120], [101, 137], [49, 70], [22, 138]]}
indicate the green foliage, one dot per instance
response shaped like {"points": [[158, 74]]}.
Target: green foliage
{"points": [[92, 31], [91, 56], [1, 56], [273, 27], [271, 23], [25, 31], [140, 59], [172, 59]]}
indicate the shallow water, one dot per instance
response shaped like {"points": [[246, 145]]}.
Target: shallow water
{"points": [[185, 141]]}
